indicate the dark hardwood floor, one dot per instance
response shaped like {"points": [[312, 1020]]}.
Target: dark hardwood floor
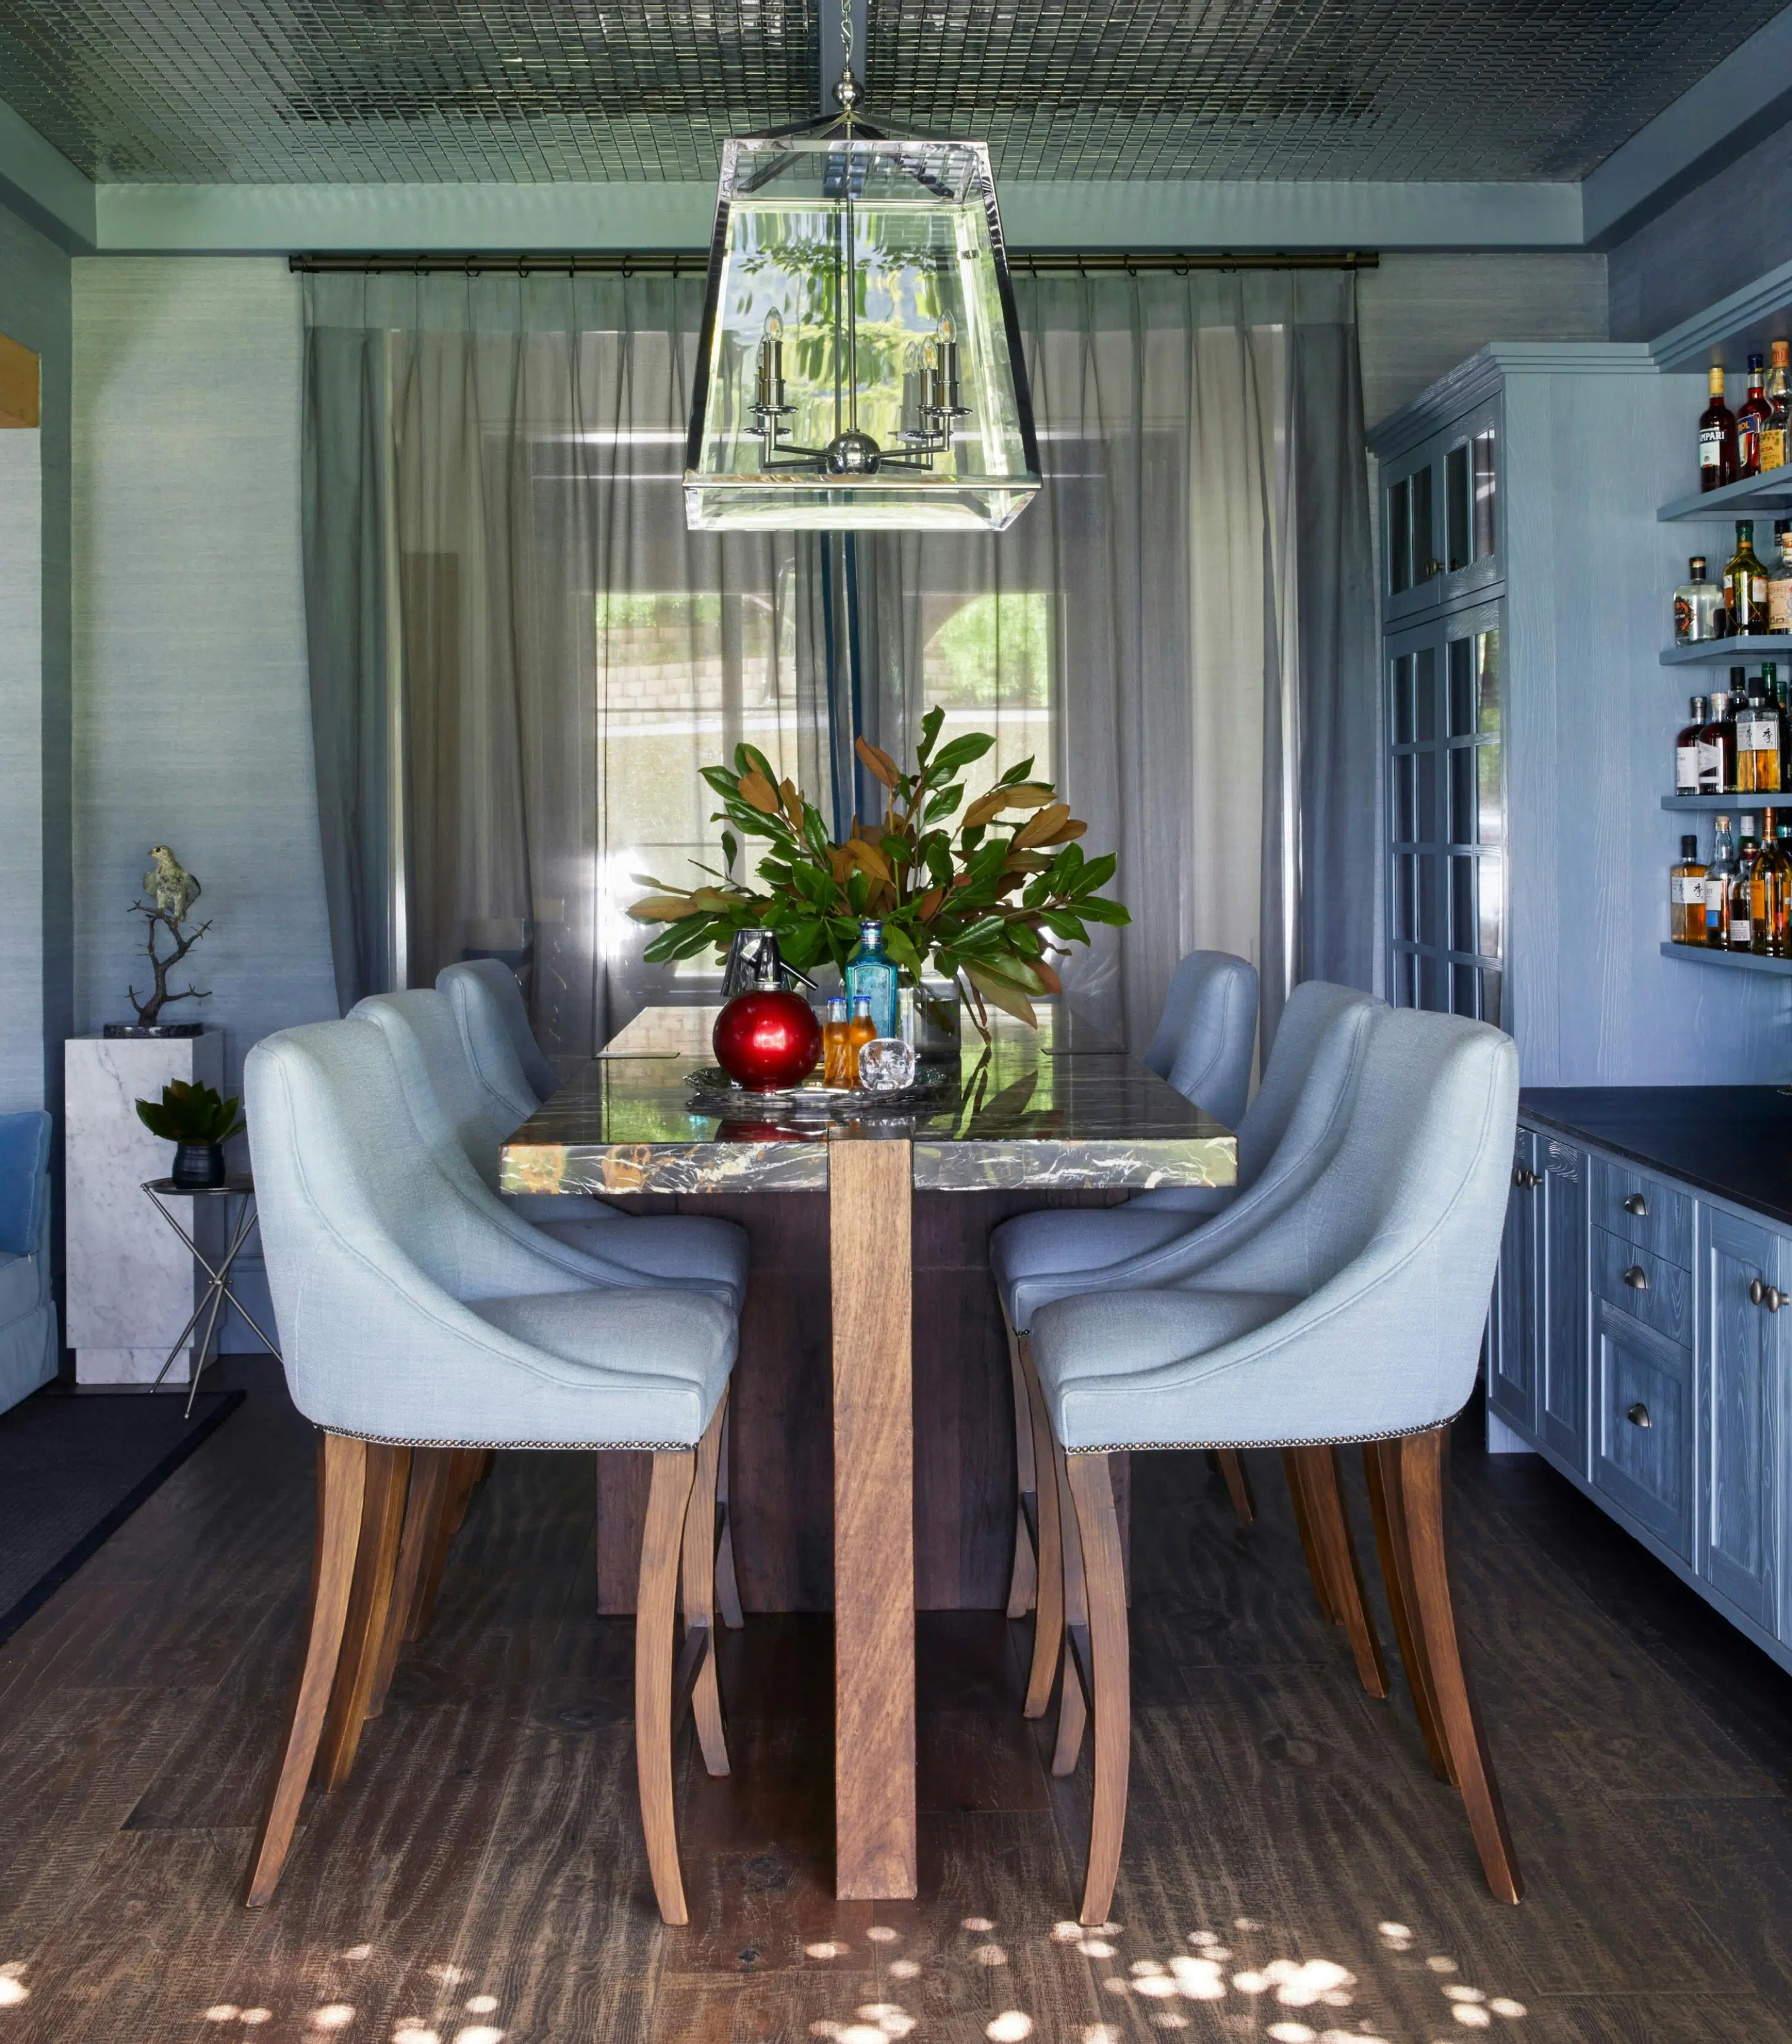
{"points": [[1291, 1870]]}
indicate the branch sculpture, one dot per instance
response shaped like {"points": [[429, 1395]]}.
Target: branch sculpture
{"points": [[172, 891]]}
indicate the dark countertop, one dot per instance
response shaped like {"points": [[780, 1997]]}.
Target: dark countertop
{"points": [[1732, 1141], [1062, 1107]]}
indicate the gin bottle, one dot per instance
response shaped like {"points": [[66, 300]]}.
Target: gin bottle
{"points": [[871, 975]]}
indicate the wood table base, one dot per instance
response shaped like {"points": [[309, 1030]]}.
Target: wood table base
{"points": [[869, 1250]]}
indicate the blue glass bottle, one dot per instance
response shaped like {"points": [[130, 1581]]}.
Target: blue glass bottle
{"points": [[872, 976]]}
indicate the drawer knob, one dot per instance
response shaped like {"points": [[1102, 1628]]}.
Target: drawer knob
{"points": [[1638, 1415], [1766, 1295], [1637, 1278], [1525, 1179], [1638, 1206]]}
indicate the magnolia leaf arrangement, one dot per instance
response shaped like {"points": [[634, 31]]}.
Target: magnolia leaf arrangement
{"points": [[983, 894]]}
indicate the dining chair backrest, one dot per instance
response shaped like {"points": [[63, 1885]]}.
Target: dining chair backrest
{"points": [[488, 1005], [1207, 1034], [445, 1092], [1310, 1010], [1416, 1189]]}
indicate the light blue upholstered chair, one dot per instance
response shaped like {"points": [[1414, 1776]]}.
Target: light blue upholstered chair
{"points": [[499, 1002], [454, 1104], [1207, 1034], [414, 1324], [28, 1346], [1286, 1135], [1356, 1316]]}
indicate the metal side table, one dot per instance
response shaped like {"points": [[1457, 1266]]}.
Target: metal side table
{"points": [[239, 1186]]}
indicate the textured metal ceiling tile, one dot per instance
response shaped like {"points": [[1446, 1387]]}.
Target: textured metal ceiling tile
{"points": [[509, 91]]}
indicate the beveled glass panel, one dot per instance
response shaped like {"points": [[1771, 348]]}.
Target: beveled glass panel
{"points": [[1491, 987], [1456, 537], [1424, 694], [1462, 688], [1431, 983], [1461, 793], [1462, 990], [1424, 567], [1431, 901], [1429, 766], [1403, 699], [1399, 538], [1492, 901], [1487, 495], [1462, 904], [1406, 809], [1405, 980], [1491, 807], [1405, 885], [1488, 670]]}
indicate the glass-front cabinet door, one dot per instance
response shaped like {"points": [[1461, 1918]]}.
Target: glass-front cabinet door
{"points": [[1441, 517], [1447, 819]]}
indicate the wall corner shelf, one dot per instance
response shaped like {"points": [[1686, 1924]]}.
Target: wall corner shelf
{"points": [[1733, 804], [1737, 961], [1726, 652], [1771, 492]]}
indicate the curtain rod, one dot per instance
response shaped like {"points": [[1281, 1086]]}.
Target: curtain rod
{"points": [[680, 263]]}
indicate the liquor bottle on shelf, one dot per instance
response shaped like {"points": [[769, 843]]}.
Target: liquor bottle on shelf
{"points": [[1745, 584], [1770, 889], [1717, 439], [1717, 876], [1717, 746], [840, 1062], [1685, 748], [1751, 417], [1774, 449], [1780, 579], [1739, 930], [860, 1031], [1757, 744], [1685, 896], [1698, 606]]}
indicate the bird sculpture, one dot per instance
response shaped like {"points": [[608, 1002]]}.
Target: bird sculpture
{"points": [[169, 885]]}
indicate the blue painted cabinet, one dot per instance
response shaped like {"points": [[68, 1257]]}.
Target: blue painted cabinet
{"points": [[1634, 1342]]}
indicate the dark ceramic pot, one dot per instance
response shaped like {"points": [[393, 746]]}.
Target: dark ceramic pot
{"points": [[198, 1166]]}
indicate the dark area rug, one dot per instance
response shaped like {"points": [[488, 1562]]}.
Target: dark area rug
{"points": [[73, 1470]]}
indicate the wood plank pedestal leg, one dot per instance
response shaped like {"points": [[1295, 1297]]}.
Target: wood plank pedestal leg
{"points": [[870, 1256]]}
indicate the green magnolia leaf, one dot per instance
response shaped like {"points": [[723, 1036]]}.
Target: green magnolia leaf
{"points": [[1103, 911], [897, 943], [1025, 940], [1016, 775], [944, 803], [1061, 924], [961, 752], [858, 890], [929, 732], [1095, 873], [730, 850]]}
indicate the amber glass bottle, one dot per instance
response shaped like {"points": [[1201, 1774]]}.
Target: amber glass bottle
{"points": [[1685, 748], [839, 1061], [1740, 886], [1753, 415], [1774, 450], [1716, 749], [1717, 439], [1745, 583], [1685, 896], [1769, 875], [861, 1030]]}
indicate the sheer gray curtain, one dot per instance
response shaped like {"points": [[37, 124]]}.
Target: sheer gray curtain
{"points": [[519, 657]]}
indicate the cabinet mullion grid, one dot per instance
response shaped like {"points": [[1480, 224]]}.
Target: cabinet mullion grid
{"points": [[1447, 816]]}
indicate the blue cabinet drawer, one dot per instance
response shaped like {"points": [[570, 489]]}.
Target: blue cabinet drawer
{"points": [[1640, 1209], [1646, 1287], [1643, 1426]]}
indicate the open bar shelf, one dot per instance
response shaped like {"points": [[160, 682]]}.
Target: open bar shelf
{"points": [[1730, 652], [1737, 961], [1731, 804], [1771, 492]]}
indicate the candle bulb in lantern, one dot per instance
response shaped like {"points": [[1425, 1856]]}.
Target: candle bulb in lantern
{"points": [[771, 397], [950, 395]]}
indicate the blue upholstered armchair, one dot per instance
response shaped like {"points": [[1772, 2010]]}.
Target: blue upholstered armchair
{"points": [[28, 1344]]}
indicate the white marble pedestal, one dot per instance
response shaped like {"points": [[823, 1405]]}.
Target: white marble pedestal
{"points": [[131, 1281]]}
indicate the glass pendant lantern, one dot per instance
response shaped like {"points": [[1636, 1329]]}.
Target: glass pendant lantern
{"points": [[859, 364]]}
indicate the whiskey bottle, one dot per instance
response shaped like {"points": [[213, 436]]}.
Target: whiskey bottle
{"points": [[1774, 452], [1717, 439], [1717, 877], [1757, 744], [1779, 580], [1716, 748], [1698, 606], [1745, 584], [1737, 884], [1751, 417], [859, 1031], [1685, 896], [1770, 889], [839, 1061], [1685, 748]]}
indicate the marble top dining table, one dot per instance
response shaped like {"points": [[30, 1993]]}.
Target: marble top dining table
{"points": [[1063, 1108]]}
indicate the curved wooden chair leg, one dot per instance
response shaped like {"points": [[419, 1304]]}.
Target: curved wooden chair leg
{"points": [[697, 1577], [382, 1518], [1380, 1464], [341, 1487], [655, 1611], [1230, 1465], [462, 1461], [727, 1588], [1330, 1527], [1023, 1583], [423, 1513], [1108, 1675], [1049, 1603], [1072, 1696], [1422, 1509], [1294, 1469]]}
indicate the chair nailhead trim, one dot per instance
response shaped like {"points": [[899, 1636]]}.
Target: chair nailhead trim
{"points": [[1305, 1441], [573, 1447]]}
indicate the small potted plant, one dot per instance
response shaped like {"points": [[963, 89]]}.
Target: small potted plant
{"points": [[981, 894], [198, 1121]]}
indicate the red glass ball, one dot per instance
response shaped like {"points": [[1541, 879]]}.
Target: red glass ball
{"points": [[766, 1041]]}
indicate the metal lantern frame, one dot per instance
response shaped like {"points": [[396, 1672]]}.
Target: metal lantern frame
{"points": [[853, 472]]}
